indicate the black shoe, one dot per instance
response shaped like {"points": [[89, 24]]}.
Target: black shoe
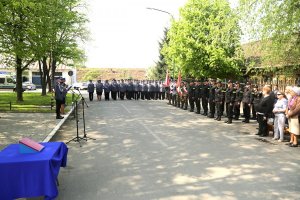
{"points": [[229, 122], [59, 117], [293, 145], [257, 134], [219, 119], [263, 136], [191, 110], [211, 116]]}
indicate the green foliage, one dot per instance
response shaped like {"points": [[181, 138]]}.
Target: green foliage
{"points": [[35, 30], [276, 24], [204, 42]]}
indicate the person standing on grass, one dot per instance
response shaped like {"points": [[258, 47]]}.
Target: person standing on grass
{"points": [[91, 89], [292, 114], [279, 112], [58, 97], [99, 89]]}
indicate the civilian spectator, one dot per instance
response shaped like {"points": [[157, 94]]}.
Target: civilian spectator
{"points": [[279, 113]]}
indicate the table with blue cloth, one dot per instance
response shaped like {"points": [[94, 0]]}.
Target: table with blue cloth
{"points": [[31, 175]]}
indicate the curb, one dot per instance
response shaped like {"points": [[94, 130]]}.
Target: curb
{"points": [[57, 127]]}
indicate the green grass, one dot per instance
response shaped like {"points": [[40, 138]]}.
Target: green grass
{"points": [[33, 102]]}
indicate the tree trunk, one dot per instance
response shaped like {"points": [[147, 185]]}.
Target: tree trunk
{"points": [[19, 72], [53, 69], [43, 77]]}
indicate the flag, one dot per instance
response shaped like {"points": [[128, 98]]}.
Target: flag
{"points": [[178, 84], [167, 81], [179, 79]]}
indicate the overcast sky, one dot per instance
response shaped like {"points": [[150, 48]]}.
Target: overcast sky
{"points": [[125, 34]]}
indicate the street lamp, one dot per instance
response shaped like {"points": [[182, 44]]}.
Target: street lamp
{"points": [[163, 11], [166, 12]]}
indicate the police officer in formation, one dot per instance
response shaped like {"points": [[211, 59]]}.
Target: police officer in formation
{"points": [[213, 96]]}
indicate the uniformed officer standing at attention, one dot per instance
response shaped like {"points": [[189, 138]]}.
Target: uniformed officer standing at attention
{"points": [[114, 89], [211, 99], [256, 96], [130, 89], [192, 96], [162, 91], [198, 96], [247, 102], [106, 88], [156, 89], [99, 89], [135, 90], [219, 100], [229, 100], [238, 100], [122, 89], [144, 89], [205, 96], [91, 89], [58, 97], [185, 95]]}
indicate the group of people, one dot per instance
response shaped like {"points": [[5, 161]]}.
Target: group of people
{"points": [[217, 99], [127, 89]]}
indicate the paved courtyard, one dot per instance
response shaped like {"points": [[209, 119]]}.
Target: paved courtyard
{"points": [[15, 126], [149, 150]]}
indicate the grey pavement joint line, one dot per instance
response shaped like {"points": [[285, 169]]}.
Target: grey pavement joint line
{"points": [[125, 108], [154, 135]]}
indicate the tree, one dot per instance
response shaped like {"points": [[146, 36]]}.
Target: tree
{"points": [[47, 31], [57, 34], [158, 72], [15, 23], [276, 24], [204, 42]]}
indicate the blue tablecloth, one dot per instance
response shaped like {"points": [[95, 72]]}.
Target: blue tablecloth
{"points": [[31, 175]]}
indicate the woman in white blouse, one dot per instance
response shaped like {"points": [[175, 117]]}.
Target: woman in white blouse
{"points": [[279, 112]]}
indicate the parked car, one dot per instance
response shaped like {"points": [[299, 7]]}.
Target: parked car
{"points": [[7, 82], [28, 86], [81, 86]]}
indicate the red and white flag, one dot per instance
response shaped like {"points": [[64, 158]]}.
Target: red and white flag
{"points": [[179, 79], [167, 81]]}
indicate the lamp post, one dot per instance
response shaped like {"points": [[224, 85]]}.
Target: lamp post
{"points": [[166, 12]]}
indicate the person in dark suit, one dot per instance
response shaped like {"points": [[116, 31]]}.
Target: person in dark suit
{"points": [[205, 96], [247, 102], [192, 95], [219, 98], [59, 97], [229, 100], [264, 109], [211, 99]]}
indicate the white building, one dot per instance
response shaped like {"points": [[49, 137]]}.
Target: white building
{"points": [[33, 74]]}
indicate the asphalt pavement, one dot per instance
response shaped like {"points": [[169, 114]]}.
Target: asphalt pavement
{"points": [[149, 150]]}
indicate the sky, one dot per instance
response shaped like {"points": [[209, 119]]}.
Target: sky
{"points": [[125, 34]]}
